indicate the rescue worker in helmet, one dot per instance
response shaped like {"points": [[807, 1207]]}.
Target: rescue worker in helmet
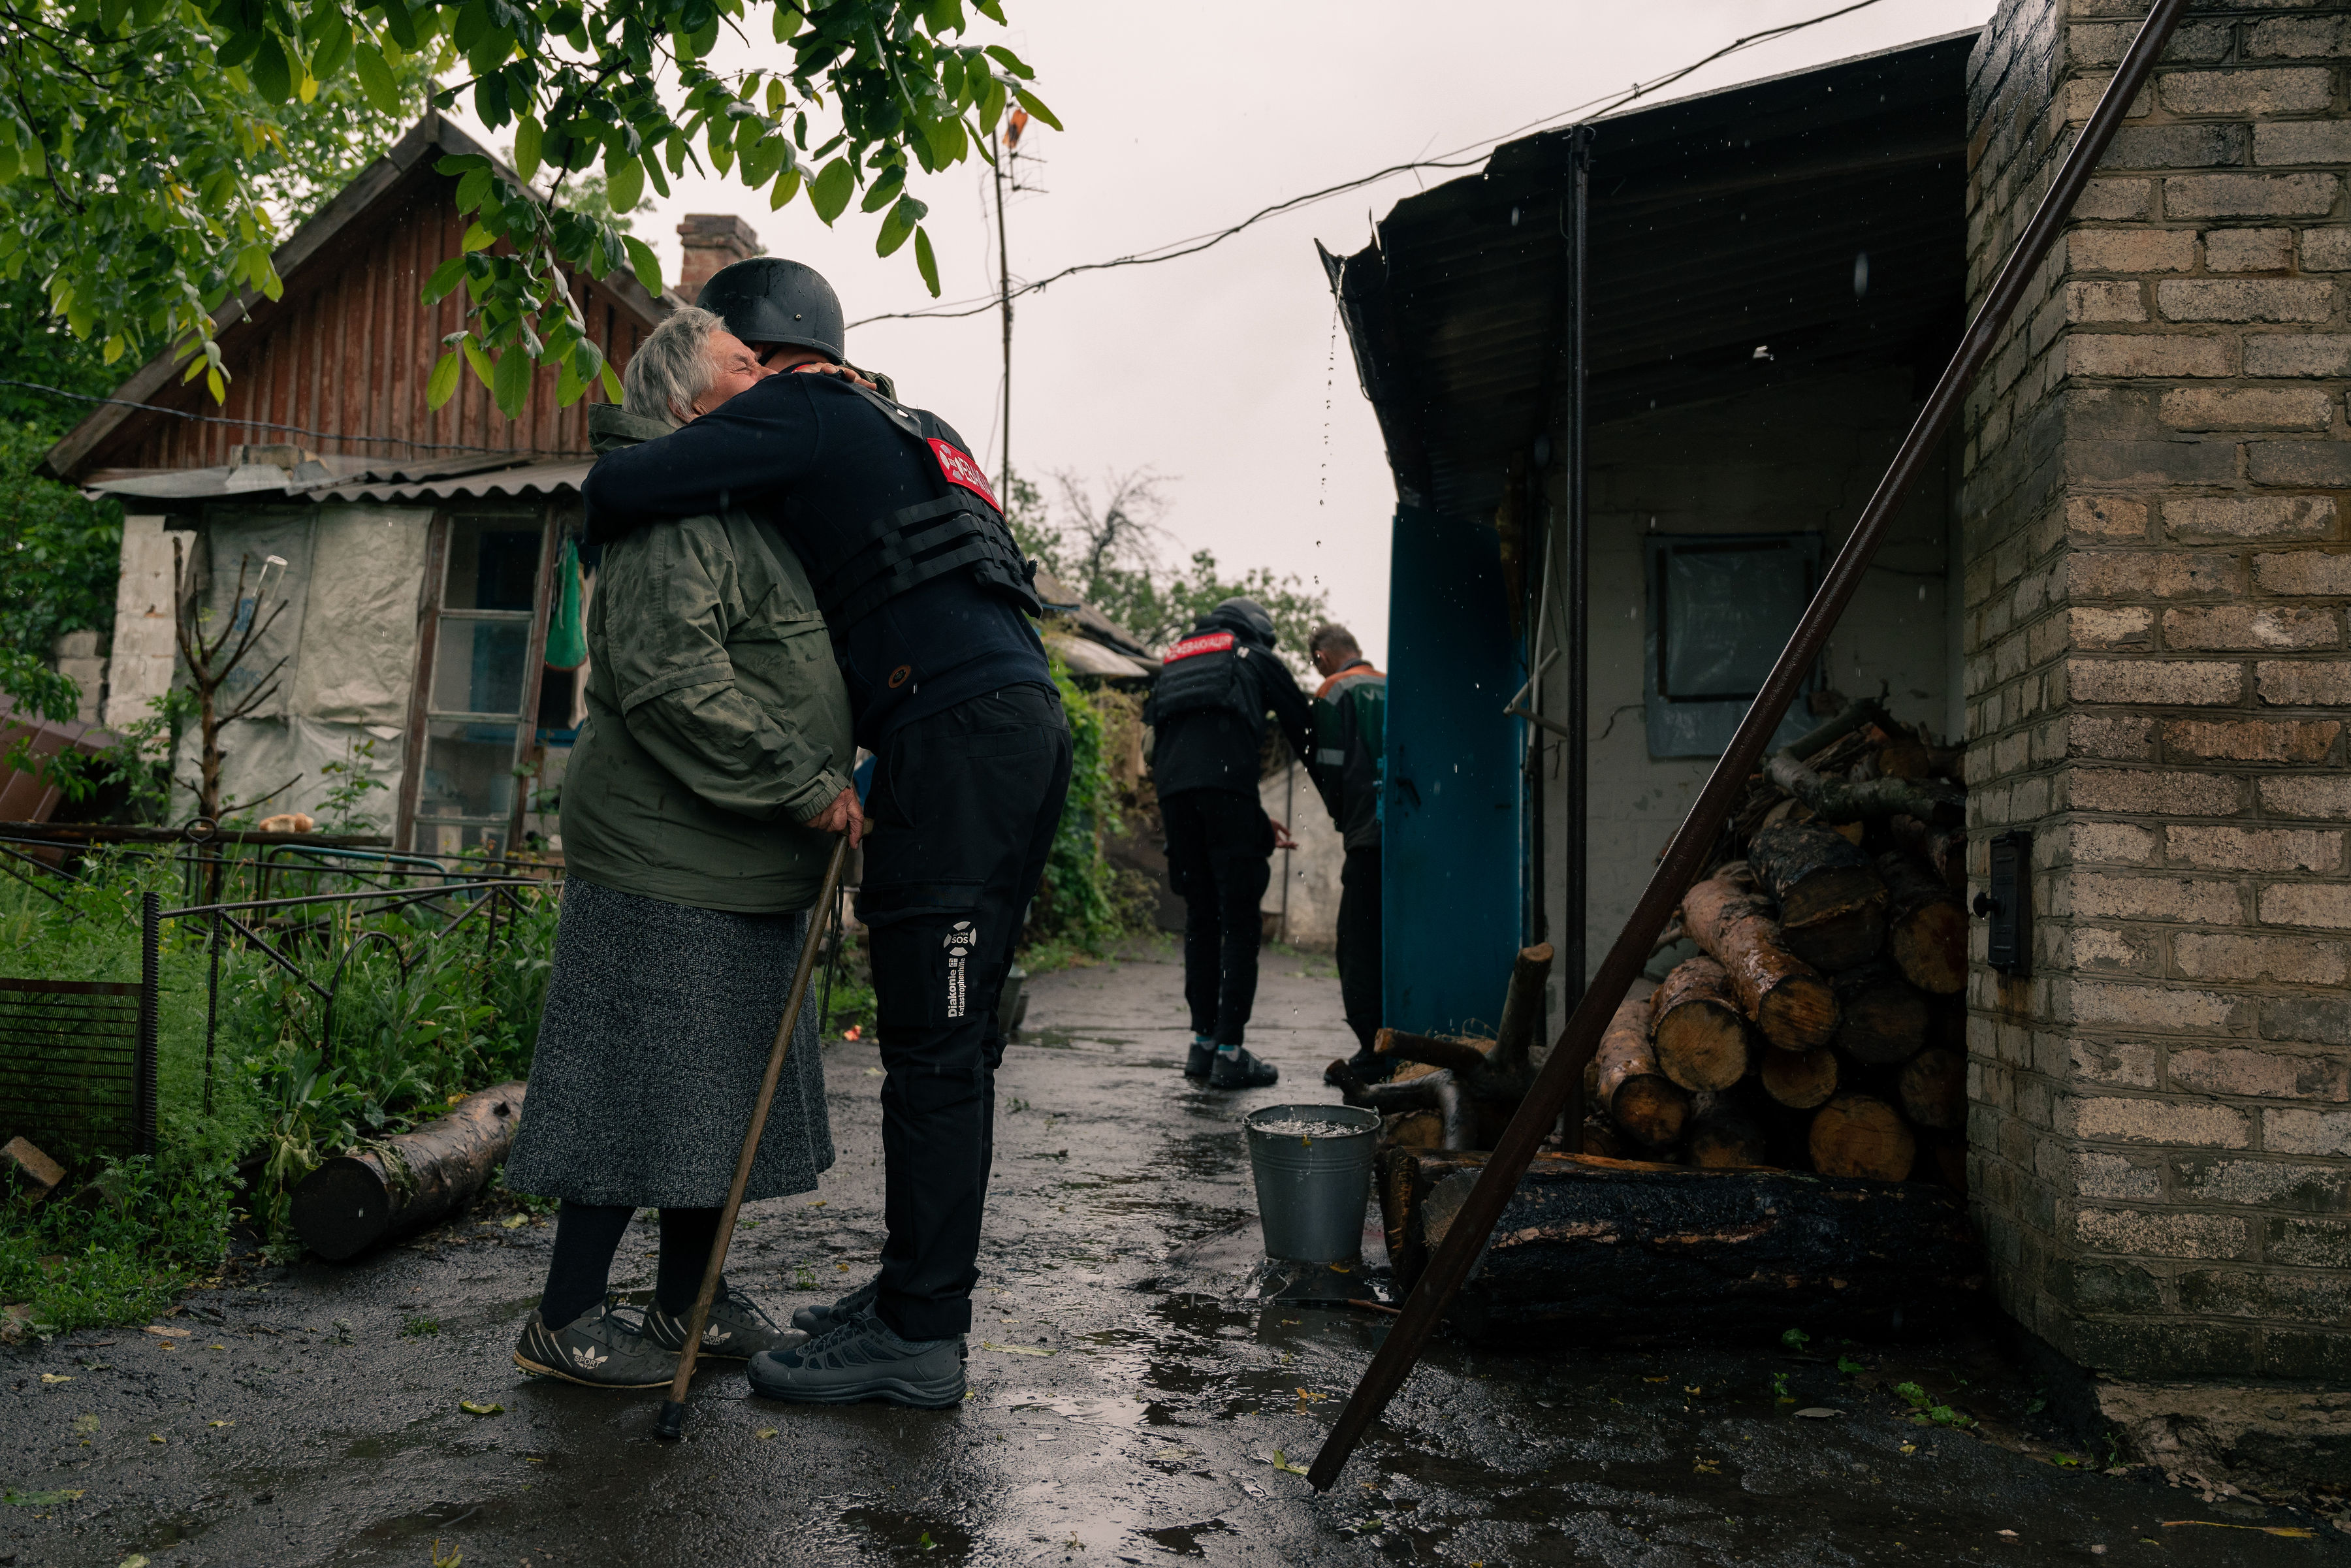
{"points": [[927, 599], [1208, 711]]}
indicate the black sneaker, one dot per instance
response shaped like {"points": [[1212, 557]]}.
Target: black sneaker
{"points": [[600, 1348], [822, 1320], [1204, 1052], [1239, 1070], [735, 1330], [861, 1359]]}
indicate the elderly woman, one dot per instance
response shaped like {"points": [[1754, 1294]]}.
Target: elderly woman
{"points": [[697, 818]]}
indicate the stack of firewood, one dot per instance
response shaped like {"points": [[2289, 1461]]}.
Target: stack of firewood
{"points": [[1821, 1026]]}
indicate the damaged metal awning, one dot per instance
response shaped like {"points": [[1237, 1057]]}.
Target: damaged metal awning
{"points": [[303, 476]]}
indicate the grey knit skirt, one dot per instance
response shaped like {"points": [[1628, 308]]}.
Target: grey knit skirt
{"points": [[658, 1024]]}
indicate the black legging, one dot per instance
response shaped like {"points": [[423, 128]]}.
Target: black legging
{"points": [[586, 1234]]}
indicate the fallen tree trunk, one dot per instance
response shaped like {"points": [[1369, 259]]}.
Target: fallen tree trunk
{"points": [[408, 1181], [1701, 1038], [1926, 926], [1592, 1248], [1862, 1136], [1832, 903], [1787, 998], [1642, 1100], [1881, 1017]]}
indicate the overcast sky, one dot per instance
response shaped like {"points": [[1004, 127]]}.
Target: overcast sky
{"points": [[1217, 371]]}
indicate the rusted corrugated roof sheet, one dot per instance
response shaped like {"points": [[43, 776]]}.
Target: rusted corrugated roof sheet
{"points": [[338, 364], [419, 482], [1716, 224]]}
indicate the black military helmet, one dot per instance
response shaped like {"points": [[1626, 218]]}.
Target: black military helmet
{"points": [[1246, 616], [769, 300]]}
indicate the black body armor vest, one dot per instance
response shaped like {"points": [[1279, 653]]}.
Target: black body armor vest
{"points": [[1205, 672], [858, 569]]}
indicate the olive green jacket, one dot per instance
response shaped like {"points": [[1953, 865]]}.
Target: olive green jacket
{"points": [[716, 723]]}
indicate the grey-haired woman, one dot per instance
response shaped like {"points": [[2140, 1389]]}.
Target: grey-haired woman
{"points": [[698, 811]]}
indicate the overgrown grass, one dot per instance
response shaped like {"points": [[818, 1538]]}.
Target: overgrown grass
{"points": [[419, 1018]]}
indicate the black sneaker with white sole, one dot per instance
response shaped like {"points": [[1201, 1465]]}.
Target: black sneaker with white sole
{"points": [[863, 1359], [1238, 1070], [737, 1331], [600, 1348], [824, 1318]]}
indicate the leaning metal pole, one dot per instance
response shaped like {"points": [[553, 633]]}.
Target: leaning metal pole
{"points": [[1466, 1238]]}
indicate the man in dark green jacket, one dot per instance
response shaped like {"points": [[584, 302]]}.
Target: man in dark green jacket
{"points": [[1350, 733]]}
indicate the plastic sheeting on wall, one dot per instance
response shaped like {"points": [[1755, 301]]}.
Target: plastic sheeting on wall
{"points": [[353, 575]]}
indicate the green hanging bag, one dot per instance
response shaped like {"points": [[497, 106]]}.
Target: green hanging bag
{"points": [[567, 638]]}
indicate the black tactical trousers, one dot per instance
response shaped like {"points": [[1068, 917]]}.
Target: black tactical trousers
{"points": [[1219, 860], [1358, 943], [964, 806]]}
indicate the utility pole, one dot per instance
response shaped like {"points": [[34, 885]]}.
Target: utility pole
{"points": [[1004, 300]]}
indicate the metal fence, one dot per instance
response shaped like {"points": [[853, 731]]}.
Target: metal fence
{"points": [[78, 1059]]}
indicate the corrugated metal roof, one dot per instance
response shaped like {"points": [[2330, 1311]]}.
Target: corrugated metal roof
{"points": [[314, 481], [1714, 224]]}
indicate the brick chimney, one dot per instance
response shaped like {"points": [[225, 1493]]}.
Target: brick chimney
{"points": [[710, 241]]}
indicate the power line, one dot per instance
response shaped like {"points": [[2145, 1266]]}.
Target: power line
{"points": [[290, 429], [1176, 249]]}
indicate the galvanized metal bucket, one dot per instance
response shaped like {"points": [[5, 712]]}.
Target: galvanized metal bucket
{"points": [[1311, 1186]]}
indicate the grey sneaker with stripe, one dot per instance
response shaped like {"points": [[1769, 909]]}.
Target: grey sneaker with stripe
{"points": [[600, 1348], [737, 1331]]}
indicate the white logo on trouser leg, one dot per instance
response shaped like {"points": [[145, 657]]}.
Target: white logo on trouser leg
{"points": [[959, 944]]}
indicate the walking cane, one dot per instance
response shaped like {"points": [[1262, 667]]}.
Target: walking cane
{"points": [[671, 1422]]}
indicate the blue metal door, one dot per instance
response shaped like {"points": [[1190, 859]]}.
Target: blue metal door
{"points": [[1450, 894]]}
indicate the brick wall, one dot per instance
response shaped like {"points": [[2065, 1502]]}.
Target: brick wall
{"points": [[2155, 477]]}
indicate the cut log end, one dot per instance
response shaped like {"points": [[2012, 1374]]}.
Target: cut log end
{"points": [[1800, 1013], [1862, 1136], [1701, 1040], [1881, 1017], [1934, 1089], [1799, 1080]]}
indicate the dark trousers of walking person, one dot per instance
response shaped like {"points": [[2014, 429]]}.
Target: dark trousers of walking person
{"points": [[1358, 943], [963, 810], [1219, 862]]}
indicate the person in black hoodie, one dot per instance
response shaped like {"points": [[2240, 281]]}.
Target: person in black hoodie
{"points": [[927, 599], [1207, 713]]}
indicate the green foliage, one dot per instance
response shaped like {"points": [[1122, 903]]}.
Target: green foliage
{"points": [[1076, 902], [1926, 1408], [351, 779], [403, 1046], [1104, 547]]}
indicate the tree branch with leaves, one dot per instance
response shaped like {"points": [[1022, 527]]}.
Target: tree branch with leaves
{"points": [[141, 144]]}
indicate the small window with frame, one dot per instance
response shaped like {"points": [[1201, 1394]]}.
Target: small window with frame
{"points": [[1721, 607], [477, 712]]}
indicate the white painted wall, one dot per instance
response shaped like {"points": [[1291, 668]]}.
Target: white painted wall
{"points": [[139, 670], [1311, 871]]}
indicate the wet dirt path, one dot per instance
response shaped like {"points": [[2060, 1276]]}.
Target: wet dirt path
{"points": [[1126, 1408]]}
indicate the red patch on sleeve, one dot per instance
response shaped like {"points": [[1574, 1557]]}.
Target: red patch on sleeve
{"points": [[1206, 642], [959, 469]]}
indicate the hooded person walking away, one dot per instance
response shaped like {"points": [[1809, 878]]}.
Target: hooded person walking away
{"points": [[927, 598], [1206, 711], [697, 817]]}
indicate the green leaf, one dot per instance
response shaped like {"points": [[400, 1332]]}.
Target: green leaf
{"points": [[375, 80], [490, 99], [926, 262], [446, 277], [831, 191], [784, 190], [1036, 106], [334, 48], [646, 265], [473, 25], [895, 228], [147, 13], [473, 189], [511, 382], [476, 238], [480, 361], [443, 385], [526, 146], [273, 76], [625, 182], [398, 23], [787, 22], [1010, 62], [611, 380], [943, 17], [568, 387], [885, 190]]}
